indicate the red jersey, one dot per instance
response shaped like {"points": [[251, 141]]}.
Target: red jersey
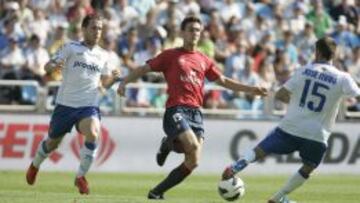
{"points": [[185, 73]]}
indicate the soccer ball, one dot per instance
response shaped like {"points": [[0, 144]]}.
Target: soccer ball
{"points": [[231, 189]]}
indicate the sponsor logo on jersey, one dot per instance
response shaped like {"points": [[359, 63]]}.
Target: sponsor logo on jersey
{"points": [[191, 78], [91, 67]]}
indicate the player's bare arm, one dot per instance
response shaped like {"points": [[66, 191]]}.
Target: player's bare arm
{"points": [[108, 80], [53, 65], [238, 87], [283, 95], [133, 76]]}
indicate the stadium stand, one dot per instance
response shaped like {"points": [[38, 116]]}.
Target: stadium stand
{"points": [[258, 42]]}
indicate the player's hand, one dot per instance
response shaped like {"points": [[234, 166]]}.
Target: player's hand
{"points": [[54, 66], [262, 91], [58, 65], [115, 74], [121, 89]]}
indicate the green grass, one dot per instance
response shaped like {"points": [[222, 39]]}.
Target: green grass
{"points": [[132, 188]]}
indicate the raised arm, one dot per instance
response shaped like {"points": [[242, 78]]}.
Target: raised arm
{"points": [[133, 76], [239, 87]]}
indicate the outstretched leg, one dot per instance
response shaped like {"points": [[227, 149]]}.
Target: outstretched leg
{"points": [[249, 157], [192, 149]]}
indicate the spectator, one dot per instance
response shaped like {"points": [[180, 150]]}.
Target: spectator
{"points": [[26, 15], [205, 44], [11, 59], [189, 7], [229, 9], [235, 64], [78, 10], [39, 23], [56, 15], [353, 64], [127, 46], [345, 9], [143, 7], [36, 57], [288, 46], [248, 77], [171, 11], [126, 14], [57, 39], [319, 17], [172, 40], [148, 26], [304, 42], [297, 20], [248, 19], [282, 66], [343, 37]]}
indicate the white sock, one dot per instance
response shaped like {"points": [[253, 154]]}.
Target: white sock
{"points": [[240, 164], [40, 155], [294, 182], [249, 156], [86, 158]]}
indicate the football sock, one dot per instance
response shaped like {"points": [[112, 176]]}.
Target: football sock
{"points": [[41, 154], [239, 165], [294, 182], [175, 177], [87, 155]]}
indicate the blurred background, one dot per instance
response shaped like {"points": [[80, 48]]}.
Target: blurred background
{"points": [[256, 42]]}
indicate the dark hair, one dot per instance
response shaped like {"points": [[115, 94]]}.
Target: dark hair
{"points": [[34, 37], [189, 19], [326, 47], [88, 18]]}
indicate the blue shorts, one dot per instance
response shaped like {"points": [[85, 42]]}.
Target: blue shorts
{"points": [[178, 119], [64, 118], [281, 142]]}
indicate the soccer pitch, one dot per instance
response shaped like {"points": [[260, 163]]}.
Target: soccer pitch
{"points": [[56, 187]]}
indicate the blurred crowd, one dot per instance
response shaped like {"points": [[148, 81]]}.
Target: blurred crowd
{"points": [[256, 42]]}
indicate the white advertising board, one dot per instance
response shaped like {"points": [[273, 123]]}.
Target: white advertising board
{"points": [[129, 144]]}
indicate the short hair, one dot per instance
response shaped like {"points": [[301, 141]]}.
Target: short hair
{"points": [[88, 18], [189, 19], [326, 47], [34, 37]]}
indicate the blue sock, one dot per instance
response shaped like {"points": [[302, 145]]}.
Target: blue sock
{"points": [[239, 165], [90, 145]]}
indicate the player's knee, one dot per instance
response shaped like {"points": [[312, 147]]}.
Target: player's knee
{"points": [[192, 163], [92, 136], [52, 144], [306, 170], [192, 148]]}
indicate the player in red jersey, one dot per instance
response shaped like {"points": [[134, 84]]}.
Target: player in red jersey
{"points": [[185, 70]]}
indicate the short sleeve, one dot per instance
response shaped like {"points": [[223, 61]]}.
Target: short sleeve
{"points": [[62, 53], [349, 86], [160, 62], [212, 72], [292, 83], [106, 70]]}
